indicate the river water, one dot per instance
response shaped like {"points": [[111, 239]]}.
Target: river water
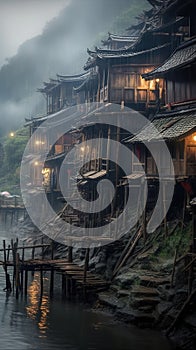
{"points": [[44, 324]]}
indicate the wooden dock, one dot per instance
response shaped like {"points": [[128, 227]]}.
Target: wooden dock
{"points": [[12, 208], [76, 280]]}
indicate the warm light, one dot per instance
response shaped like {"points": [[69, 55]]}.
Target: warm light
{"points": [[38, 308], [194, 138], [157, 80], [45, 171], [36, 163], [12, 134], [151, 84], [82, 149]]}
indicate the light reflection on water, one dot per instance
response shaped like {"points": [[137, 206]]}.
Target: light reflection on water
{"points": [[38, 307], [50, 324]]}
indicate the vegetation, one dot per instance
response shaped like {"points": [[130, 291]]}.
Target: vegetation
{"points": [[124, 20], [180, 240], [165, 245], [128, 16], [11, 151]]}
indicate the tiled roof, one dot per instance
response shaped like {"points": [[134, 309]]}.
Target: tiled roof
{"points": [[99, 55], [182, 56], [167, 127], [54, 83], [130, 54], [119, 38], [73, 78]]}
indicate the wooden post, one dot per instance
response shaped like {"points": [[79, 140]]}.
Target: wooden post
{"points": [[32, 257], [14, 252], [108, 151], [86, 264], [41, 281], [63, 285], [67, 286], [4, 251], [42, 248], [173, 270], [26, 281], [193, 206], [5, 266], [52, 270], [164, 208], [190, 279], [22, 270], [17, 274], [8, 252], [52, 249], [70, 254]]}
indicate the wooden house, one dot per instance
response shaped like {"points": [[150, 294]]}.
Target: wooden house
{"points": [[176, 122], [115, 42], [120, 69], [151, 70], [60, 95], [178, 130], [179, 73], [59, 92]]}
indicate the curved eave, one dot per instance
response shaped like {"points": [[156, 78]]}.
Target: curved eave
{"points": [[132, 54], [90, 80], [72, 78]]}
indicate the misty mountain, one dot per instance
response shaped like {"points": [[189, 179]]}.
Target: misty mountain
{"points": [[61, 48]]}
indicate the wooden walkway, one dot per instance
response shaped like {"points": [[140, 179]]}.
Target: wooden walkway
{"points": [[76, 280], [11, 212]]}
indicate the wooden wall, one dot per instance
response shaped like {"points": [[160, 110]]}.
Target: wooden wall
{"points": [[181, 85], [127, 84]]}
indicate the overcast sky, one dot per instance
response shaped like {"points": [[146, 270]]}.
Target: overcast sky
{"points": [[22, 19]]}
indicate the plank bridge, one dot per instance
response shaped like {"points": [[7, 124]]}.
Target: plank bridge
{"points": [[76, 280]]}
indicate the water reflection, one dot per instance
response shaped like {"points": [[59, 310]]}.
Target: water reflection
{"points": [[47, 324], [38, 306]]}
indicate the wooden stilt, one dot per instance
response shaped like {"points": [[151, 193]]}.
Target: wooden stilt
{"points": [[86, 264], [67, 287], [32, 257], [70, 254], [164, 209], [63, 285], [52, 270], [7, 280], [14, 252], [22, 271], [8, 252], [26, 282], [41, 281], [17, 275], [42, 248]]}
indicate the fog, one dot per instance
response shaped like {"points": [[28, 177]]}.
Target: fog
{"points": [[61, 48]]}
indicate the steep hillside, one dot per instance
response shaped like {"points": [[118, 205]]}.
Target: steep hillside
{"points": [[60, 49]]}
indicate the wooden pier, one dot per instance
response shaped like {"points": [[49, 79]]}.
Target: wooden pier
{"points": [[76, 280], [11, 208]]}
